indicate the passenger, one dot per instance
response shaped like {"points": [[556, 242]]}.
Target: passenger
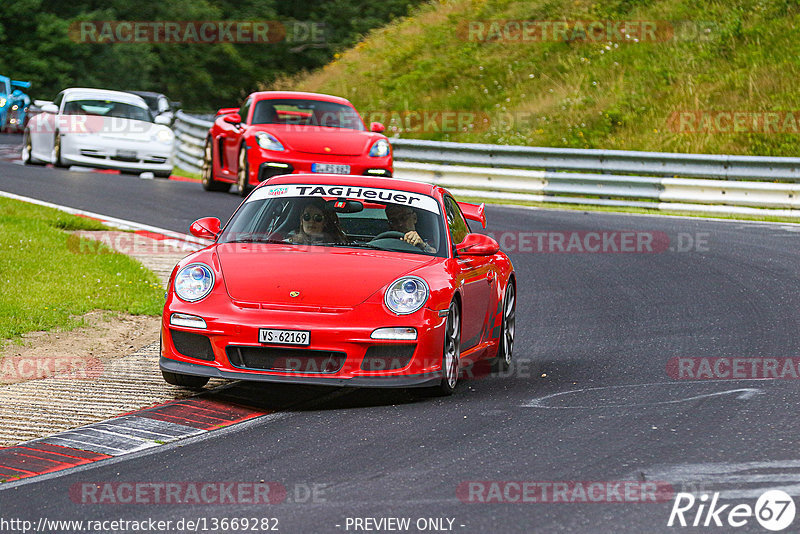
{"points": [[318, 224], [403, 219]]}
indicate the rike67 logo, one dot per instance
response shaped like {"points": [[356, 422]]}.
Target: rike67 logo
{"points": [[774, 510]]}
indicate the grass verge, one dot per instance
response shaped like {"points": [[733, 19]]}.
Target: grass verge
{"points": [[668, 93], [45, 283], [177, 171]]}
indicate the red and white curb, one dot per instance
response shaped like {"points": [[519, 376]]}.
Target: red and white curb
{"points": [[129, 433]]}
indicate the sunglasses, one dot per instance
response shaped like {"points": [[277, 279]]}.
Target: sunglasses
{"points": [[317, 218]]}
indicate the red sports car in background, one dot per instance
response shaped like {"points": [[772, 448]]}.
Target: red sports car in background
{"points": [[340, 280], [289, 132]]}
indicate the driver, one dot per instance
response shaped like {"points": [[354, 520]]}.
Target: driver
{"points": [[318, 224], [403, 219]]}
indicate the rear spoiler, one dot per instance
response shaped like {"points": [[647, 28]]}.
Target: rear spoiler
{"points": [[226, 111], [473, 212], [22, 85]]}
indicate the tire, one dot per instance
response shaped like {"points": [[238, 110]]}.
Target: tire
{"points": [[187, 381], [243, 172], [27, 150], [57, 152], [451, 353], [207, 173], [505, 351]]}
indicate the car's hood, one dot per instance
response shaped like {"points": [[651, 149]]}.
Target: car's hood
{"points": [[316, 139], [323, 276]]}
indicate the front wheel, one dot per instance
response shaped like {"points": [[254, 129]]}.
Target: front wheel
{"points": [[57, 152], [244, 173], [207, 173], [451, 352], [507, 329], [187, 381]]}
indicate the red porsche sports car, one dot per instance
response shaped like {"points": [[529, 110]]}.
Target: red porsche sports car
{"points": [[288, 132], [340, 280]]}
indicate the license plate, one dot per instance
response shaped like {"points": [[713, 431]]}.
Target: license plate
{"points": [[126, 154], [284, 337], [330, 168]]}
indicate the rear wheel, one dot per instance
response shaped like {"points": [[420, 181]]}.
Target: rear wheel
{"points": [[27, 150], [508, 327], [187, 381], [207, 173], [244, 173], [451, 353]]}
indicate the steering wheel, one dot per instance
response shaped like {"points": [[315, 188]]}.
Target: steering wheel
{"points": [[389, 234]]}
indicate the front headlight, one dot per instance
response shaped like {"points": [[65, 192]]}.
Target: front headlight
{"points": [[165, 136], [380, 149], [194, 282], [406, 295], [268, 142], [2, 101]]}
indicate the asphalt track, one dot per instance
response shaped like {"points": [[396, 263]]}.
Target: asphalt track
{"points": [[590, 398]]}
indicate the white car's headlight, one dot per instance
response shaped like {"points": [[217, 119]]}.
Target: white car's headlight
{"points": [[194, 282], [380, 149], [406, 295], [164, 136], [268, 142]]}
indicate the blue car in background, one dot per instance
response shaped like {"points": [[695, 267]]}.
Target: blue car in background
{"points": [[13, 104]]}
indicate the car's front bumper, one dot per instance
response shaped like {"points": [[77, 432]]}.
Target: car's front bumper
{"points": [[338, 335], [410, 381], [266, 163], [93, 151]]}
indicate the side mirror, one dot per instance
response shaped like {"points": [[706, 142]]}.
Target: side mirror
{"points": [[477, 245], [162, 119], [233, 118], [376, 127], [207, 227], [50, 108]]}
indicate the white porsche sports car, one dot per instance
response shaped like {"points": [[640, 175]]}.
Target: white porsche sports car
{"points": [[99, 128]]}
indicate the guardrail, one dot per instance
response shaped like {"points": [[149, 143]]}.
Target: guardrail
{"points": [[655, 180]]}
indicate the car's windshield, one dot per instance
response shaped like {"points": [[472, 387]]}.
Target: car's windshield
{"points": [[340, 216], [306, 113], [107, 108]]}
